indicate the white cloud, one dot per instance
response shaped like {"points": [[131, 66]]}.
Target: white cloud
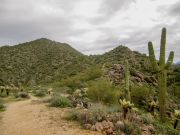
{"points": [[92, 26]]}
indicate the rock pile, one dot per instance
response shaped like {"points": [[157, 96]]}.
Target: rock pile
{"points": [[105, 127], [116, 75]]}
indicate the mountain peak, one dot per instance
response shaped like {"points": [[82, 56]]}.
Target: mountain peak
{"points": [[42, 40]]}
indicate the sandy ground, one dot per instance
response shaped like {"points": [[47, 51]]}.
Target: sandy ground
{"points": [[30, 117]]}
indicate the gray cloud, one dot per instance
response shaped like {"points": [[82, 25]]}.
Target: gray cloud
{"points": [[92, 26]]}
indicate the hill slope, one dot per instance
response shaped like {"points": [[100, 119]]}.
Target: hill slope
{"points": [[137, 61], [39, 61]]}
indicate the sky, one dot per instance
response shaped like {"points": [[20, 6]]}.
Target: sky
{"points": [[92, 26]]}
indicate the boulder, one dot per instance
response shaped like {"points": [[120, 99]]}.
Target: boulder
{"points": [[99, 127], [107, 124], [87, 126], [116, 73], [119, 125]]}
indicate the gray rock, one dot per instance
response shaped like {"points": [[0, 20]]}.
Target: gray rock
{"points": [[119, 125]]}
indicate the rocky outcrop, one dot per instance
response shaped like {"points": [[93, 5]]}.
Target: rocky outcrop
{"points": [[116, 75], [105, 127]]}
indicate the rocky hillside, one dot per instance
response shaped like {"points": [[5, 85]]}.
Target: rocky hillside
{"points": [[43, 60], [39, 61], [118, 55], [113, 61]]}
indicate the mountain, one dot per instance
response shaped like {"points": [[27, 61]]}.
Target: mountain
{"points": [[137, 61], [177, 63], [39, 61], [44, 60]]}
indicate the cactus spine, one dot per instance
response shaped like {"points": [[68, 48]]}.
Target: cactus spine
{"points": [[161, 69], [127, 74]]}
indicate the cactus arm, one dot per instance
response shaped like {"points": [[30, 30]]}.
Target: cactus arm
{"points": [[170, 60], [152, 56], [162, 48]]}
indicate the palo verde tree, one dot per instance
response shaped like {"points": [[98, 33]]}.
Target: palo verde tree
{"points": [[161, 68]]}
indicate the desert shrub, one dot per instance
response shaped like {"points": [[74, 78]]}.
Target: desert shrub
{"points": [[92, 73], [59, 101], [177, 90], [140, 94], [72, 82], [103, 91], [131, 129], [96, 113], [114, 108], [40, 93], [72, 115], [147, 118], [23, 95], [1, 106], [165, 128], [79, 80]]}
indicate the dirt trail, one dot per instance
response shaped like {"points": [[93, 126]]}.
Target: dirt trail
{"points": [[32, 118]]}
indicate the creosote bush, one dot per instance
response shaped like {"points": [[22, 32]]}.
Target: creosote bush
{"points": [[40, 93], [59, 101], [96, 113], [1, 106], [79, 81], [103, 91], [140, 94], [23, 95]]}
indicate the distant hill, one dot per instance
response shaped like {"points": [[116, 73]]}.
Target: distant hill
{"points": [[177, 63], [137, 61], [43, 60], [39, 61]]}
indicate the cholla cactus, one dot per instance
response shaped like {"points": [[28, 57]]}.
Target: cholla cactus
{"points": [[177, 118], [161, 69], [126, 105], [177, 114], [153, 104]]}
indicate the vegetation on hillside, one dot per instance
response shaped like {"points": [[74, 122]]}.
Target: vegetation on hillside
{"points": [[113, 93], [39, 61]]}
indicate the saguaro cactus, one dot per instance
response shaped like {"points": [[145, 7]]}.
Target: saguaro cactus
{"points": [[127, 74], [161, 67]]}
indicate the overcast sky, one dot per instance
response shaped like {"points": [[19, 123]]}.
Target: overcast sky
{"points": [[92, 26]]}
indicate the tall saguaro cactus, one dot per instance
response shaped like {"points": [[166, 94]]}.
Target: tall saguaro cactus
{"points": [[127, 74], [161, 67]]}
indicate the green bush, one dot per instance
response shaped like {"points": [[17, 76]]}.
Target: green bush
{"points": [[165, 128], [96, 113], [59, 101], [1, 106], [131, 129], [79, 81], [40, 93], [72, 82], [23, 95], [103, 91], [92, 73], [140, 94]]}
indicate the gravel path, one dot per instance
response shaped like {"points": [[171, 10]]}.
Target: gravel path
{"points": [[29, 117]]}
